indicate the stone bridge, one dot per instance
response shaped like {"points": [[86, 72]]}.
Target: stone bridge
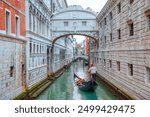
{"points": [[82, 57], [74, 20]]}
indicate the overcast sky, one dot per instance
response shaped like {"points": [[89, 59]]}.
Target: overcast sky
{"points": [[95, 5]]}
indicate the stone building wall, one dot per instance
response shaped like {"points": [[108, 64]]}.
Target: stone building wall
{"points": [[12, 67], [123, 56], [12, 48], [38, 34]]}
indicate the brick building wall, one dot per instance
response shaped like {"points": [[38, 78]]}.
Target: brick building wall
{"points": [[123, 56]]}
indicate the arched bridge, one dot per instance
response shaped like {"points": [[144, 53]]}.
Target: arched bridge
{"points": [[81, 57], [73, 20]]}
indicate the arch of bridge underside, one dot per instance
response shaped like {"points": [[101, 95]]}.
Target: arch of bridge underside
{"points": [[73, 20], [70, 34]]}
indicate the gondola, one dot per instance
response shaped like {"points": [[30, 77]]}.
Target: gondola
{"points": [[86, 86]]}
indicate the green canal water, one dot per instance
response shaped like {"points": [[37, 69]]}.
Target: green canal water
{"points": [[64, 87]]}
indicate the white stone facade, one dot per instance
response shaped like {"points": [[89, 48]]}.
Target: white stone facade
{"points": [[38, 34], [123, 55], [12, 67], [39, 45], [74, 20]]}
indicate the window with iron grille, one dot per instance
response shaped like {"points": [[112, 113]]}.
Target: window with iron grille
{"points": [[119, 33], [131, 28], [11, 71], [104, 63], [130, 69], [118, 65], [110, 63], [111, 37], [148, 75]]}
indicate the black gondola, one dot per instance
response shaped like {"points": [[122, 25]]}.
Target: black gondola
{"points": [[86, 86]]}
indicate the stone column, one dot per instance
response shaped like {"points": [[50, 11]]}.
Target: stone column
{"points": [[52, 59]]}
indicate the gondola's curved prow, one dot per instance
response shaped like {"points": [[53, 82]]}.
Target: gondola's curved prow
{"points": [[86, 86]]}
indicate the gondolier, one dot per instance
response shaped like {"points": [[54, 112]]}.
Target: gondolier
{"points": [[92, 70]]}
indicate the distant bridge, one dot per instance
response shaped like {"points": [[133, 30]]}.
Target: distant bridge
{"points": [[81, 57]]}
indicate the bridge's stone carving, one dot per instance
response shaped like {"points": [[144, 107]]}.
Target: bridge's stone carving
{"points": [[74, 21]]}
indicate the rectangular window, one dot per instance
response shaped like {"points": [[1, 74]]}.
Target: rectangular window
{"points": [[118, 65], [110, 63], [119, 8], [111, 37], [105, 20], [119, 34], [131, 1], [33, 48], [17, 27], [37, 48], [40, 49], [8, 21], [110, 15], [100, 24], [11, 71], [131, 28], [83, 23], [105, 40], [97, 60], [30, 48], [148, 75], [130, 69], [148, 17], [65, 23], [104, 63]]}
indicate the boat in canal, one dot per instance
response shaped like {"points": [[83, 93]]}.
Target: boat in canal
{"points": [[83, 85]]}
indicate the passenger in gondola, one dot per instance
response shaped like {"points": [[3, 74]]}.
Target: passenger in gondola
{"points": [[82, 81], [92, 70], [79, 82]]}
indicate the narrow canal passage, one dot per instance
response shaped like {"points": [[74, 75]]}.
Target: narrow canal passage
{"points": [[64, 87]]}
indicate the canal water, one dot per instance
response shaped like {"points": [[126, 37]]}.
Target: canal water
{"points": [[64, 87]]}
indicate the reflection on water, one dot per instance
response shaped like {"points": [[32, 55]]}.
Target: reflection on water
{"points": [[64, 87]]}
